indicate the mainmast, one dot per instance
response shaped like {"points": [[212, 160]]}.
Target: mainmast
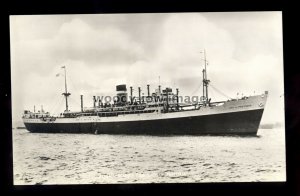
{"points": [[205, 80], [66, 94]]}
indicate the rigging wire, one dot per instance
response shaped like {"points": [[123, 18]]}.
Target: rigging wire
{"points": [[55, 99], [212, 95], [59, 103], [196, 89], [74, 86], [53, 103], [220, 91], [214, 88], [74, 100]]}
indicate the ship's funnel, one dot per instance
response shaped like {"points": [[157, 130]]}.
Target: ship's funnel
{"points": [[121, 94], [121, 87]]}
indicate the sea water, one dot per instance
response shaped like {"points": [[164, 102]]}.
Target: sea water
{"points": [[92, 159]]}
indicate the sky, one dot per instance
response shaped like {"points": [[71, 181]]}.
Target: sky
{"points": [[243, 49]]}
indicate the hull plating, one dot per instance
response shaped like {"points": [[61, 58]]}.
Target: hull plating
{"points": [[237, 123]]}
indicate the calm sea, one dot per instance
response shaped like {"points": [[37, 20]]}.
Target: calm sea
{"points": [[89, 159]]}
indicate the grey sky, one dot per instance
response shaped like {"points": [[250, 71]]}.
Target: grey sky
{"points": [[244, 51]]}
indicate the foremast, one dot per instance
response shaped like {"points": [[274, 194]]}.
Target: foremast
{"points": [[66, 93], [205, 81]]}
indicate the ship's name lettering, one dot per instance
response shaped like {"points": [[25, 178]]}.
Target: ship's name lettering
{"points": [[241, 106]]}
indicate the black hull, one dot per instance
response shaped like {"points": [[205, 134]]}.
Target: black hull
{"points": [[235, 123]]}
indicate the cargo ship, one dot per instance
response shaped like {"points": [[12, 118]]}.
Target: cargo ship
{"points": [[159, 113]]}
